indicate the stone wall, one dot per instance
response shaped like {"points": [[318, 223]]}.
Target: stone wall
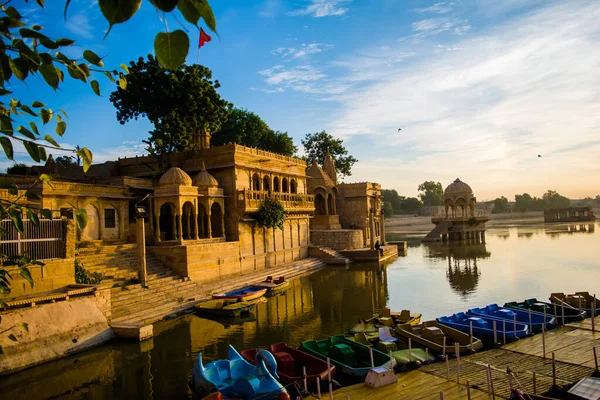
{"points": [[55, 274], [339, 239], [54, 331]]}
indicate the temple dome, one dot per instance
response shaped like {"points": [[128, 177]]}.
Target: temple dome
{"points": [[204, 179], [319, 177], [175, 176], [458, 187]]}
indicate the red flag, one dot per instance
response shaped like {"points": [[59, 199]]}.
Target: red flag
{"points": [[204, 38]]}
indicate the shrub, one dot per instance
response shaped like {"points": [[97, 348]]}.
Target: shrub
{"points": [[83, 276], [271, 214]]}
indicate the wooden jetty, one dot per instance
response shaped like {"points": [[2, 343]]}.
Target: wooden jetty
{"points": [[571, 346]]}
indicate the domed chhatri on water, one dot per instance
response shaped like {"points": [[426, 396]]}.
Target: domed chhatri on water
{"points": [[460, 222]]}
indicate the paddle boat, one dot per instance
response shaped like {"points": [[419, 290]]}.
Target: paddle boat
{"points": [[483, 327], [370, 327], [290, 364], [274, 285], [571, 315], [227, 308], [349, 357], [579, 301], [431, 334], [236, 377], [535, 321], [247, 293]]}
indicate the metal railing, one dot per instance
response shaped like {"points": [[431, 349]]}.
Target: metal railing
{"points": [[41, 242], [250, 200]]}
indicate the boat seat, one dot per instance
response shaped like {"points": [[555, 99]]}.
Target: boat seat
{"points": [[386, 334], [433, 334], [362, 339], [404, 316], [386, 346], [343, 353], [405, 327], [504, 313], [493, 308], [247, 386], [459, 316], [323, 347], [285, 362], [387, 312], [386, 321], [281, 279], [477, 322], [269, 279]]}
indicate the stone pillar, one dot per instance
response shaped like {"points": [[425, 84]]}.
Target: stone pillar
{"points": [[208, 227], [175, 217], [372, 229], [179, 231], [382, 229], [223, 223], [70, 235], [141, 252], [482, 236], [195, 218], [187, 226], [157, 229]]}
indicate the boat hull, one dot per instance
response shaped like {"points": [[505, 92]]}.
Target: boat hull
{"points": [[246, 294], [466, 343], [570, 315], [483, 327], [224, 308], [535, 321]]}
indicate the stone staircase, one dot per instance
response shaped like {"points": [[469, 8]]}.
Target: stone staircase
{"points": [[167, 293], [434, 235], [328, 255]]}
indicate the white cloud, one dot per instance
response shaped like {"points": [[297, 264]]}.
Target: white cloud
{"points": [[302, 51], [322, 8], [285, 77], [437, 8], [128, 148], [435, 26], [526, 87], [269, 8], [80, 25]]}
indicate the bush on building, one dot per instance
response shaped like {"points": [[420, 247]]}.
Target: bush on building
{"points": [[271, 214], [83, 276]]}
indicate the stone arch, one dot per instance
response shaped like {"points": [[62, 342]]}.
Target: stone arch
{"points": [[216, 220], [276, 187], [293, 186], [449, 206], [255, 182], [331, 204], [266, 185], [188, 221], [320, 206], [460, 206], [202, 218], [168, 221], [284, 185], [92, 229]]}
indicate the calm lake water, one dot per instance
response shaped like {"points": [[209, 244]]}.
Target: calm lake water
{"points": [[517, 262]]}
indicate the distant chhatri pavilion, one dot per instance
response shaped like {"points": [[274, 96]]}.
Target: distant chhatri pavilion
{"points": [[460, 222]]}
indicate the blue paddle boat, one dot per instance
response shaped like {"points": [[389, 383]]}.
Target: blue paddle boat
{"points": [[483, 327], [236, 377], [508, 314]]}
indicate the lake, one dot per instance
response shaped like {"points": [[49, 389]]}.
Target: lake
{"points": [[517, 262]]}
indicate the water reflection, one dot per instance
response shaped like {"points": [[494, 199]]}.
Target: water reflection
{"points": [[462, 273], [555, 231]]}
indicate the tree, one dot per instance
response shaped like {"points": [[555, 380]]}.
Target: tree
{"points": [[500, 205], [394, 199], [23, 169], [65, 161], [180, 103], [411, 205], [388, 209], [554, 200], [246, 128], [431, 193], [316, 146], [597, 199], [523, 202]]}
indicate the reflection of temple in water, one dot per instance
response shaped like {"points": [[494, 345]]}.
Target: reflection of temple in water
{"points": [[557, 230], [463, 273]]}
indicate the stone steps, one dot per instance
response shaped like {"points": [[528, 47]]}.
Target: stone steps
{"points": [[331, 256], [161, 302]]}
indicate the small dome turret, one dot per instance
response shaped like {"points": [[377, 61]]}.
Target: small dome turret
{"points": [[204, 179], [175, 176], [458, 187]]}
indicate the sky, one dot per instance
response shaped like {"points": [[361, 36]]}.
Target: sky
{"points": [[479, 88]]}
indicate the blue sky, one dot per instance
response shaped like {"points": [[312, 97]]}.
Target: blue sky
{"points": [[479, 87]]}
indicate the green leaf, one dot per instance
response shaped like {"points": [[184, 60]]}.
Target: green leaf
{"points": [[207, 14], [26, 132], [171, 48], [33, 217], [95, 87], [58, 118], [33, 150], [118, 11], [45, 178], [51, 140], [19, 67], [34, 127], [124, 67], [122, 82], [32, 196], [13, 13], [28, 110], [61, 75], [12, 337], [42, 152], [46, 115], [50, 76], [64, 42], [76, 73], [25, 326], [7, 147], [86, 158], [40, 3], [37, 104], [46, 58], [46, 213], [16, 219], [37, 27], [165, 5], [47, 42], [27, 275], [29, 33], [85, 69], [189, 11], [109, 76], [61, 127], [64, 113], [93, 58], [6, 124], [81, 218]]}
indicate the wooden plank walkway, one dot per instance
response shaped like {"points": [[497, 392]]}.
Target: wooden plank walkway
{"points": [[412, 385], [571, 344]]}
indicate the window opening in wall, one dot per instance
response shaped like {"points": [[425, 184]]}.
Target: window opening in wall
{"points": [[110, 218], [67, 213]]}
